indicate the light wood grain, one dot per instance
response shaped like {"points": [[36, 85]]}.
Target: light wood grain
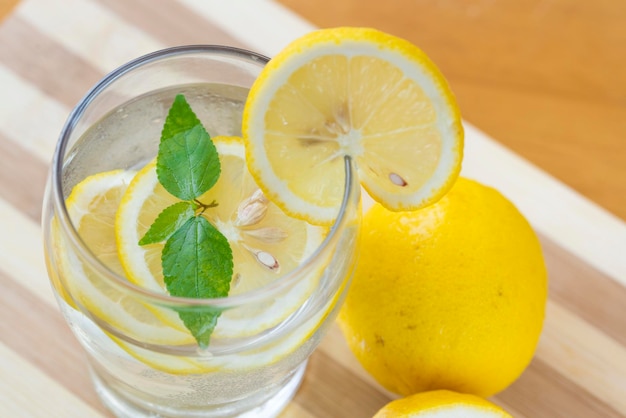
{"points": [[579, 369], [544, 77], [25, 387]]}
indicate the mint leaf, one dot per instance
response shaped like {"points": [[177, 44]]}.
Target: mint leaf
{"points": [[197, 263], [201, 322], [197, 260], [180, 118], [168, 222], [187, 163]]}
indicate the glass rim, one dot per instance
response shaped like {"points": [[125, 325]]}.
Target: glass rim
{"points": [[121, 281]]}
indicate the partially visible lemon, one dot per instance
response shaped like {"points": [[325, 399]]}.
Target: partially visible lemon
{"points": [[451, 296], [91, 206], [442, 404], [266, 243], [354, 92]]}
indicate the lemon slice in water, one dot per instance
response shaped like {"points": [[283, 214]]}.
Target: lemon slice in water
{"points": [[92, 205], [266, 243]]}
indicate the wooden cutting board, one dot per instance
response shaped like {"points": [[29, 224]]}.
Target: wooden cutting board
{"points": [[52, 51]]}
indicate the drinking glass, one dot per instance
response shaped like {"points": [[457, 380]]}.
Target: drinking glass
{"points": [[125, 329]]}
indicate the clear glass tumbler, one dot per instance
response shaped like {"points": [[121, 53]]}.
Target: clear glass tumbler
{"points": [[126, 329]]}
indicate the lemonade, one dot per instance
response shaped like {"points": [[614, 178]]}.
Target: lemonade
{"points": [[144, 361], [203, 213]]}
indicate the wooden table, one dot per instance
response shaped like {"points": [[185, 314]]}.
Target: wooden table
{"points": [[546, 79]]}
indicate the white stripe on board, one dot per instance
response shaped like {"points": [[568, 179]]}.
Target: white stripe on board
{"points": [[25, 391], [572, 221], [294, 410], [28, 117], [584, 355], [89, 30], [21, 253], [244, 19]]}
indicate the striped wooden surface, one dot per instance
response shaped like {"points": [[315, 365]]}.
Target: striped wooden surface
{"points": [[52, 51]]}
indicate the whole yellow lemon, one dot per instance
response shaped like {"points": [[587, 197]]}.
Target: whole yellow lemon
{"points": [[450, 297]]}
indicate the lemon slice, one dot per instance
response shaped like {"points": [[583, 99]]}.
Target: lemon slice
{"points": [[442, 404], [266, 243], [92, 205], [356, 92]]}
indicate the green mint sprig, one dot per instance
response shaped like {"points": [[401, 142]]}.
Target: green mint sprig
{"points": [[197, 259]]}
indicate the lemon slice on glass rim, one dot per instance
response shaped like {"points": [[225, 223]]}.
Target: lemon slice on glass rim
{"points": [[357, 92], [265, 242]]}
